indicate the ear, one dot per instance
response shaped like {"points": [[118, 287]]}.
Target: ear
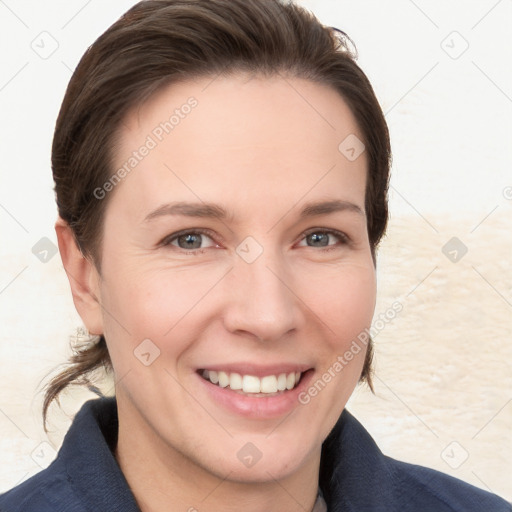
{"points": [[83, 278]]}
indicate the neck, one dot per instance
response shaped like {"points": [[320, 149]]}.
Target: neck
{"points": [[163, 479]]}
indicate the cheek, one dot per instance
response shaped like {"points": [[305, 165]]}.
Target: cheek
{"points": [[145, 304], [345, 302]]}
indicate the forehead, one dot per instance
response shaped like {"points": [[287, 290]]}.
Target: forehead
{"points": [[266, 138]]}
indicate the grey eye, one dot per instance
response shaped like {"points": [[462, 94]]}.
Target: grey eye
{"points": [[190, 241], [318, 239]]}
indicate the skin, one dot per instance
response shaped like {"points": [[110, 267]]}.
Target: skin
{"points": [[261, 148]]}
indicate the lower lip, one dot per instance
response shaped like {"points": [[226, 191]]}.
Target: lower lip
{"points": [[257, 407]]}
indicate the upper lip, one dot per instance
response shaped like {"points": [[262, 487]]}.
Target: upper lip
{"points": [[257, 370]]}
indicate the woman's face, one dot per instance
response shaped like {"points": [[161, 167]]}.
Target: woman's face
{"points": [[235, 254]]}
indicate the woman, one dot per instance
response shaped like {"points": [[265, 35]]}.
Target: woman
{"points": [[221, 172]]}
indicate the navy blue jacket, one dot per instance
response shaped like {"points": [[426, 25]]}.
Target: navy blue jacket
{"points": [[354, 475]]}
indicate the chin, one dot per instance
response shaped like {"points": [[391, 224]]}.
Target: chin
{"points": [[262, 460], [266, 469]]}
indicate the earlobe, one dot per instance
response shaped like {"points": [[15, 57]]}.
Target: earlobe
{"points": [[83, 278]]}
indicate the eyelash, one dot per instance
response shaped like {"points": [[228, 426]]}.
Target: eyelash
{"points": [[344, 239]]}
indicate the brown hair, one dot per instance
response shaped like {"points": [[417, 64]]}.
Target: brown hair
{"points": [[159, 42]]}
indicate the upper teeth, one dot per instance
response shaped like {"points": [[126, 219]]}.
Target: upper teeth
{"points": [[252, 384]]}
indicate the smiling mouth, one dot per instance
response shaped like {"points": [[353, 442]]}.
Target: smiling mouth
{"points": [[250, 385]]}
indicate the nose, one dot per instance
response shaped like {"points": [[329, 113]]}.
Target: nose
{"points": [[261, 302]]}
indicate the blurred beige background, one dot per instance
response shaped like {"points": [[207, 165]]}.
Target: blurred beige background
{"points": [[444, 364]]}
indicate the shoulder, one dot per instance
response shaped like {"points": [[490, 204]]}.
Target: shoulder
{"points": [[417, 486], [84, 473], [356, 475], [47, 491]]}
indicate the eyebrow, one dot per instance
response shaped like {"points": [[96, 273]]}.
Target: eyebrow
{"points": [[215, 211]]}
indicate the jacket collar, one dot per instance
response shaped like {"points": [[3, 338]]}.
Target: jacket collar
{"points": [[87, 453], [353, 470]]}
